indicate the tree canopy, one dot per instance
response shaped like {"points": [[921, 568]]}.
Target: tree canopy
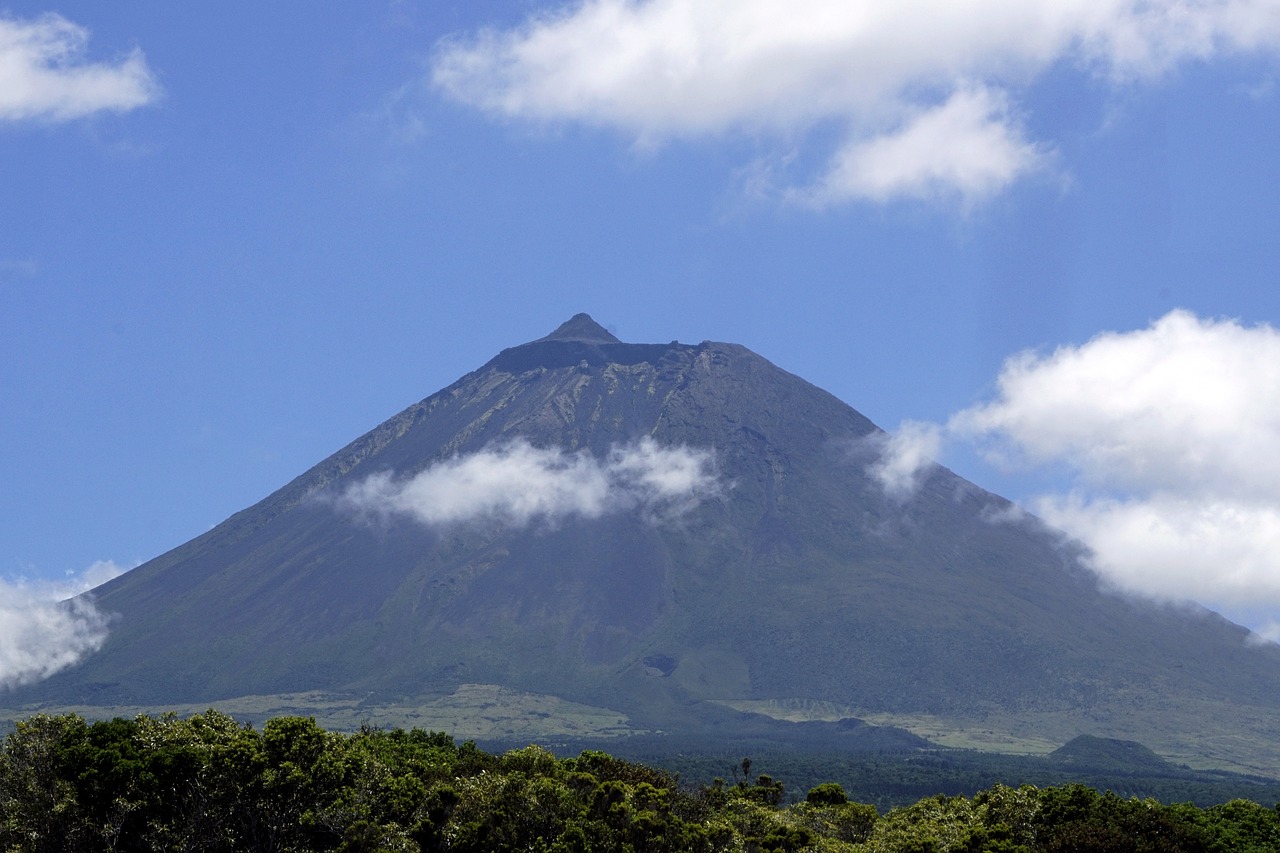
{"points": [[209, 783]]}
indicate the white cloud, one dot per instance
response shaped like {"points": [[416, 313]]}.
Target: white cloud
{"points": [[1268, 632], [965, 147], [44, 628], [920, 88], [904, 458], [1172, 437], [1186, 405], [518, 484], [1177, 546], [44, 75]]}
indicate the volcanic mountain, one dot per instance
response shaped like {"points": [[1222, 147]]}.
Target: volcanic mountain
{"points": [[674, 532]]}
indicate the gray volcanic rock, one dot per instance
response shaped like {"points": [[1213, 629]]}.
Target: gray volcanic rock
{"points": [[796, 580], [580, 327]]}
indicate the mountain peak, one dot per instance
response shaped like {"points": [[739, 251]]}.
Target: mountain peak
{"points": [[580, 327]]}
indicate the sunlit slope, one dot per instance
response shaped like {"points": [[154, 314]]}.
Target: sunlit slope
{"points": [[798, 579]]}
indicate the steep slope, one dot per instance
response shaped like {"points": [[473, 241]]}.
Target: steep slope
{"points": [[794, 578]]}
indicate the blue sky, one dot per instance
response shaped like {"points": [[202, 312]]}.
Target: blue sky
{"points": [[233, 238]]}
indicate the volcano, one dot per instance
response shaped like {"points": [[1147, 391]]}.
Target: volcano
{"points": [[675, 533]]}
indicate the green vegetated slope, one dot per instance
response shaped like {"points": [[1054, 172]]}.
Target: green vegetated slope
{"points": [[799, 581], [209, 783]]}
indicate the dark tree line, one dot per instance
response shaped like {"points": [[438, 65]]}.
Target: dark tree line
{"points": [[891, 780], [208, 783]]}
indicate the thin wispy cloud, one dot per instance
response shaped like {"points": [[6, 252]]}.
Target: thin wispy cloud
{"points": [[45, 628], [46, 76], [18, 269], [1172, 434], [925, 93], [903, 458], [517, 484]]}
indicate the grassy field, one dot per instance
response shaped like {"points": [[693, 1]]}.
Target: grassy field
{"points": [[472, 712], [1204, 740]]}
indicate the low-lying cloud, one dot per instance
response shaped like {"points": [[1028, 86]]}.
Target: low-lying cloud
{"points": [[44, 628], [1171, 437], [924, 96], [44, 74], [517, 484], [904, 458]]}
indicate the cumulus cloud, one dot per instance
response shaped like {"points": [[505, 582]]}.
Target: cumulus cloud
{"points": [[518, 484], [1182, 546], [45, 628], [923, 91], [44, 74], [982, 155], [1185, 404], [1171, 435]]}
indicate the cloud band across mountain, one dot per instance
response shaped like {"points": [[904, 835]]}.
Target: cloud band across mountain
{"points": [[518, 484]]}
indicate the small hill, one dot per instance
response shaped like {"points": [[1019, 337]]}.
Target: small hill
{"points": [[1110, 755]]}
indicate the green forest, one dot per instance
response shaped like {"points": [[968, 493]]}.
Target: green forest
{"points": [[210, 783]]}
